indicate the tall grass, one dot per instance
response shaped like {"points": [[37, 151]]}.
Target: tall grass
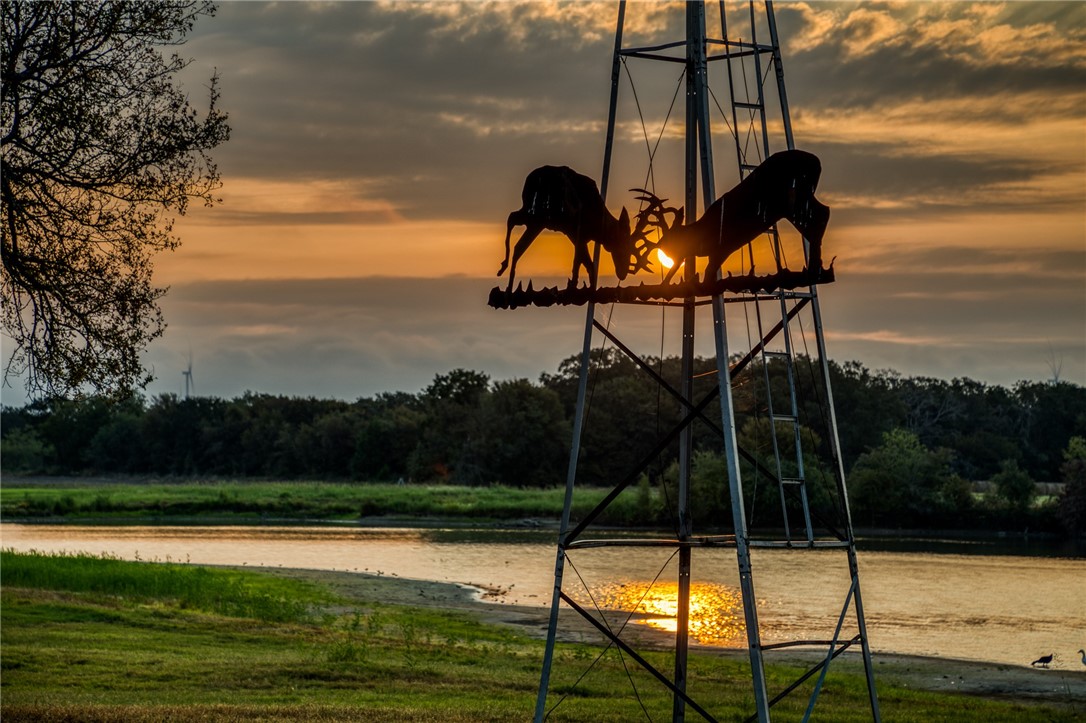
{"points": [[297, 500], [225, 592]]}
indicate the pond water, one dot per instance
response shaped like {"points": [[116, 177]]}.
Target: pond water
{"points": [[987, 607]]}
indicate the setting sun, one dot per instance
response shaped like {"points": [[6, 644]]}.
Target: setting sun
{"points": [[666, 261], [716, 616]]}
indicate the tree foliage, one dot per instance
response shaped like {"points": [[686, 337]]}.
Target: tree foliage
{"points": [[100, 151], [444, 450], [1014, 485], [1071, 508], [464, 429], [901, 483]]}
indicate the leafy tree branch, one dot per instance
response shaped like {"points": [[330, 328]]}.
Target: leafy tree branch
{"points": [[100, 152]]}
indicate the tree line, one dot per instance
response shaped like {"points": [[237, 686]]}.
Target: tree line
{"points": [[913, 447]]}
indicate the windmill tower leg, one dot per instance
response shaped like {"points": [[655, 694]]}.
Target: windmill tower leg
{"points": [[699, 135], [582, 390], [755, 109]]}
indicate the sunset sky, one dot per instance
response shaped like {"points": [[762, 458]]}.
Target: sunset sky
{"points": [[377, 149]]}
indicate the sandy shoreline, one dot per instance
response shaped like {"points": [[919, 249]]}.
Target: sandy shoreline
{"points": [[993, 680]]}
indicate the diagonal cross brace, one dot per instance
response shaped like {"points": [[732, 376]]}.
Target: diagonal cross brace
{"points": [[694, 413], [831, 650], [655, 376], [622, 645], [628, 480], [738, 367], [819, 666], [713, 426]]}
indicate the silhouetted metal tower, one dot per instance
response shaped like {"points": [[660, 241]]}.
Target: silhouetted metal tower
{"points": [[813, 509]]}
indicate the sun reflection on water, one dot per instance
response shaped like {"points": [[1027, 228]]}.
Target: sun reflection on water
{"points": [[716, 611]]}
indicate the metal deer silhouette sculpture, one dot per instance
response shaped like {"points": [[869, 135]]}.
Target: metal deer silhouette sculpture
{"points": [[560, 199], [782, 187]]}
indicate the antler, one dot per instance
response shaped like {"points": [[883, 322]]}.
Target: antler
{"points": [[653, 216], [641, 257]]}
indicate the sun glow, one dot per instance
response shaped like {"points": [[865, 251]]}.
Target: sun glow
{"points": [[666, 261], [716, 611]]}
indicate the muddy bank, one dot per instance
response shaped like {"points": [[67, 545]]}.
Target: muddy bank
{"points": [[935, 674]]}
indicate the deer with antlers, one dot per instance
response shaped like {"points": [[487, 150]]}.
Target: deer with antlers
{"points": [[782, 187], [560, 199]]}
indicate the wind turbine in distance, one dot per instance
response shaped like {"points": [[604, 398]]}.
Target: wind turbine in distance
{"points": [[187, 373]]}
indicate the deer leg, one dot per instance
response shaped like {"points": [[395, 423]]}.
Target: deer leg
{"points": [[581, 258], [516, 218], [713, 266], [813, 227], [526, 239]]}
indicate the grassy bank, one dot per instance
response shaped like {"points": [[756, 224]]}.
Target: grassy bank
{"points": [[224, 592], [238, 501], [87, 639]]}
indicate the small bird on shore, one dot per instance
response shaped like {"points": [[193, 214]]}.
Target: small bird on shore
{"points": [[1083, 654], [1043, 661]]}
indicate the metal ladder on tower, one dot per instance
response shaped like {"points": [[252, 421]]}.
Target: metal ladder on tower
{"points": [[753, 109]]}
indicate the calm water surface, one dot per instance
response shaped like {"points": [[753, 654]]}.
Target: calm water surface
{"points": [[998, 608]]}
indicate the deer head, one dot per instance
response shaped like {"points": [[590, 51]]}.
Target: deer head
{"points": [[631, 250]]}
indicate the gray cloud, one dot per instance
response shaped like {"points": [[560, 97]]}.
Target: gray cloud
{"points": [[353, 337], [357, 337], [355, 90], [944, 182], [1013, 270], [438, 109], [436, 112], [863, 53], [350, 338]]}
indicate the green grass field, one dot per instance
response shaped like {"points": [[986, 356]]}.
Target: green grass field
{"points": [[289, 500], [93, 639]]}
